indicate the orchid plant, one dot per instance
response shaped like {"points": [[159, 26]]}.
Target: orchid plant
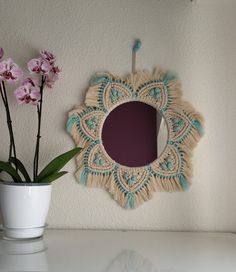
{"points": [[43, 74]]}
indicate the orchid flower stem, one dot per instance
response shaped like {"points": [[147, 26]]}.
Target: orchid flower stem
{"points": [[39, 112], [2, 95], [9, 122]]}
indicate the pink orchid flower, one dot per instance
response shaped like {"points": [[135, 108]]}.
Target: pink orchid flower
{"points": [[31, 81], [50, 81], [56, 70], [52, 77], [28, 93], [1, 52], [39, 66], [10, 71], [48, 56]]}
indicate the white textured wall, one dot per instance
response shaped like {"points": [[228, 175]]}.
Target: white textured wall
{"points": [[196, 39]]}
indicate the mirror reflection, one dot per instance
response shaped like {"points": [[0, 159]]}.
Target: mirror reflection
{"points": [[134, 134]]}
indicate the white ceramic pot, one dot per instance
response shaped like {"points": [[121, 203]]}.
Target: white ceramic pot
{"points": [[24, 209]]}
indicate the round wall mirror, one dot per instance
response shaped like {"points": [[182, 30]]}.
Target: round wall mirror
{"points": [[134, 134]]}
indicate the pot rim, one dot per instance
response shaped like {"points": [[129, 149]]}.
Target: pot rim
{"points": [[24, 228], [26, 184]]}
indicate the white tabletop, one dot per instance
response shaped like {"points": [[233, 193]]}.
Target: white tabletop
{"points": [[117, 251]]}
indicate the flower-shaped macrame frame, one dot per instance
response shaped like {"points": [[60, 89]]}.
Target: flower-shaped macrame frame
{"points": [[171, 171]]}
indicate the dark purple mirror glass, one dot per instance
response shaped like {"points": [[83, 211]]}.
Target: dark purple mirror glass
{"points": [[130, 132]]}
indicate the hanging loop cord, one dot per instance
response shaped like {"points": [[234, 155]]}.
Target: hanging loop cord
{"points": [[136, 47]]}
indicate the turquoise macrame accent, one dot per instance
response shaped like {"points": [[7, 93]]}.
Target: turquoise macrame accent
{"points": [[169, 76], [178, 123], [83, 177], [98, 160], [71, 121], [98, 79], [137, 45], [129, 201], [115, 95], [198, 127], [92, 123], [155, 93], [130, 179], [183, 182], [135, 94], [167, 164]]}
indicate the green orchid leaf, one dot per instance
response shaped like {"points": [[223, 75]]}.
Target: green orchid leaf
{"points": [[57, 164], [10, 170], [21, 168], [53, 177]]}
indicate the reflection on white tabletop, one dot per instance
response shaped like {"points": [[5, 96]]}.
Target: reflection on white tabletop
{"points": [[129, 260], [139, 251], [25, 255], [118, 251]]}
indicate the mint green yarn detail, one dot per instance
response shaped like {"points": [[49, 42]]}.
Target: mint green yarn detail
{"points": [[92, 123], [115, 95], [97, 79], [155, 93], [169, 76], [198, 127], [98, 160], [71, 121], [183, 182], [167, 164], [178, 123], [137, 45], [130, 179], [83, 177], [129, 201]]}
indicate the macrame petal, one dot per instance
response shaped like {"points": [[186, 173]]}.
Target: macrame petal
{"points": [[107, 91], [84, 125], [154, 93]]}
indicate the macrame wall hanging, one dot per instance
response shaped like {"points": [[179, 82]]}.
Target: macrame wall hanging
{"points": [[171, 170]]}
